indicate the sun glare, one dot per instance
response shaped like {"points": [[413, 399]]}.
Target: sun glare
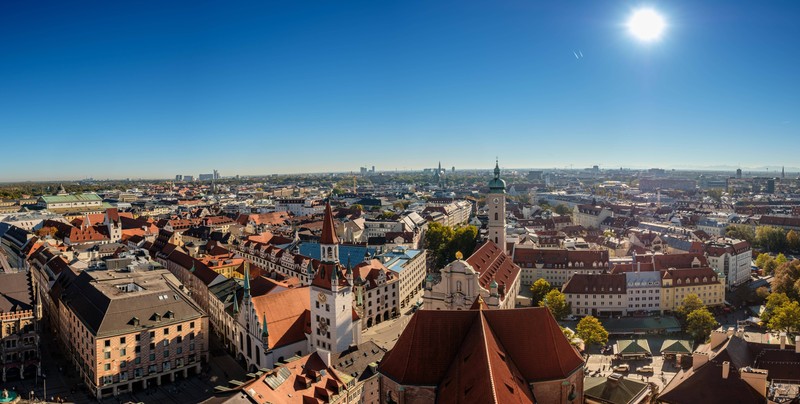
{"points": [[646, 25]]}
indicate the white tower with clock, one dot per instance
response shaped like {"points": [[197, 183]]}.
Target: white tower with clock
{"points": [[332, 325], [496, 202]]}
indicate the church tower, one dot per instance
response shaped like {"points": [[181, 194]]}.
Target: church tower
{"points": [[496, 201], [332, 329]]}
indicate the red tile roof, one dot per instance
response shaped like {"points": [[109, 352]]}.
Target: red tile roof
{"points": [[493, 264], [287, 313], [436, 341]]}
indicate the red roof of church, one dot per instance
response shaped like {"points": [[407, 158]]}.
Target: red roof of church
{"points": [[328, 229], [492, 263], [481, 352]]}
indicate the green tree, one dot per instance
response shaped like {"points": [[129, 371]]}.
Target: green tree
{"points": [[699, 323], [444, 242], [357, 206], [563, 209], [539, 289], [556, 302], [591, 331], [762, 292], [786, 317], [780, 259], [762, 260], [774, 301], [769, 267], [690, 303], [770, 238], [741, 232], [793, 240], [386, 215]]}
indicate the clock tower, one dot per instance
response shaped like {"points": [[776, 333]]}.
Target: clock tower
{"points": [[496, 202], [332, 329]]}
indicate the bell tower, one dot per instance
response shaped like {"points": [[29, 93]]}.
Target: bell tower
{"points": [[332, 329], [496, 202]]}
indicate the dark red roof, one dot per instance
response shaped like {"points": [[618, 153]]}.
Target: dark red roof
{"points": [[492, 263], [436, 341], [322, 278], [328, 230]]}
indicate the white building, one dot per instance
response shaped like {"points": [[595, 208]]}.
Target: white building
{"points": [[412, 266], [300, 206], [644, 291], [732, 258], [597, 294]]}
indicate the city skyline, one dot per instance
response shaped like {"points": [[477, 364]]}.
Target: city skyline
{"points": [[141, 90]]}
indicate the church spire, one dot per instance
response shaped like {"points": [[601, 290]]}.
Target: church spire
{"points": [[235, 304], [246, 281], [328, 242], [264, 332]]}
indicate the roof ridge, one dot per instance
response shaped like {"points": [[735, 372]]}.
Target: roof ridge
{"points": [[486, 352]]}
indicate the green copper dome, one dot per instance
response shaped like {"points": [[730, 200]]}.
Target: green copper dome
{"points": [[497, 185]]}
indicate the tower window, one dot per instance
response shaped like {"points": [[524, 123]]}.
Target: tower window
{"points": [[495, 216]]}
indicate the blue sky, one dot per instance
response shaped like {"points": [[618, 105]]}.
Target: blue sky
{"points": [[144, 89]]}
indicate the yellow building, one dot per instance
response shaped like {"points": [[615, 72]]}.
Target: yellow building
{"points": [[704, 282]]}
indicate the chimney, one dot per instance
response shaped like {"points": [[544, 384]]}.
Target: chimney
{"points": [[718, 337], [756, 378], [726, 368], [699, 359], [783, 340], [638, 267]]}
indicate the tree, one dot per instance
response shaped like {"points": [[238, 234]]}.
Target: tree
{"points": [[700, 323], [770, 266], [762, 292], [444, 242], [793, 240], [780, 259], [563, 209], [762, 260], [786, 317], [570, 336], [774, 301], [690, 303], [770, 238], [386, 215], [556, 302], [787, 279], [741, 232], [357, 207], [539, 289], [715, 194], [591, 331]]}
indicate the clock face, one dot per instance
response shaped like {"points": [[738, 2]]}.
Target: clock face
{"points": [[496, 201], [321, 297]]}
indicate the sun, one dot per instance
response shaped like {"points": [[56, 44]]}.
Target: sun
{"points": [[646, 25]]}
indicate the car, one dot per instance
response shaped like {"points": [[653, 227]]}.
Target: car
{"points": [[645, 369], [570, 318], [621, 368]]}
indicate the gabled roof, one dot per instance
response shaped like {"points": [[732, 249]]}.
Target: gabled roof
{"points": [[287, 313], [493, 264], [434, 342]]}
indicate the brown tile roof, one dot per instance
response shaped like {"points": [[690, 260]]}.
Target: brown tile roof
{"points": [[529, 339], [596, 284], [287, 313], [560, 258], [322, 278], [369, 272], [493, 264]]}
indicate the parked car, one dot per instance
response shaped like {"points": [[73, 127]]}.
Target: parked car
{"points": [[645, 369], [622, 368], [570, 318]]}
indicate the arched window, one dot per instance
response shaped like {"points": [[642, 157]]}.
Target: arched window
{"points": [[496, 216]]}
